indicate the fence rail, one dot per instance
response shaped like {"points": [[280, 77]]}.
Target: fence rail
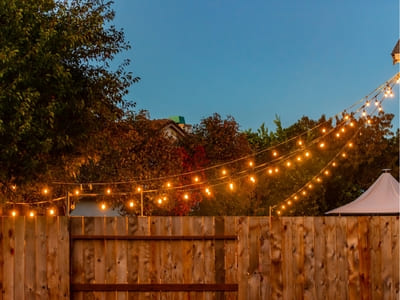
{"points": [[199, 258]]}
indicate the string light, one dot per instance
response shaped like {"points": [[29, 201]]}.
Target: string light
{"points": [[276, 170], [45, 191], [275, 154], [350, 145], [288, 164], [322, 145], [342, 129], [334, 164], [376, 102], [196, 179], [103, 206], [298, 158], [224, 172], [160, 200], [300, 142], [13, 213], [139, 189], [251, 164], [186, 196], [32, 213], [231, 186], [108, 191], [76, 192], [168, 184], [52, 211], [252, 179], [323, 130], [326, 172], [131, 204], [307, 154], [351, 124], [270, 171]]}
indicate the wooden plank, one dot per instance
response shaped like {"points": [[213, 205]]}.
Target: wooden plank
{"points": [[30, 258], [155, 256], [63, 258], [254, 256], [198, 267], [230, 254], [121, 256], [9, 256], [288, 279], [276, 258], [166, 261], [310, 291], [145, 255], [395, 257], [41, 258], [177, 255], [376, 258], [2, 220], [298, 256], [219, 260], [156, 287], [387, 261], [156, 237], [243, 256], [95, 254], [110, 257], [331, 255], [52, 254], [133, 255], [77, 257], [353, 258], [365, 259], [265, 259], [342, 275], [20, 258], [320, 245]]}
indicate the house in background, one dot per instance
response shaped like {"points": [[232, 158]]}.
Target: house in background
{"points": [[396, 53]]}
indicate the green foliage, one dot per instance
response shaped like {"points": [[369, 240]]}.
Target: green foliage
{"points": [[56, 87]]}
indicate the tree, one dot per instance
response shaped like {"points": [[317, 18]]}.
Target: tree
{"points": [[57, 90]]}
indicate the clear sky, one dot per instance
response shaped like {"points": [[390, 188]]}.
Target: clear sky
{"points": [[259, 58]]}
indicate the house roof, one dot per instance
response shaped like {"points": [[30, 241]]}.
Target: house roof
{"points": [[396, 49]]}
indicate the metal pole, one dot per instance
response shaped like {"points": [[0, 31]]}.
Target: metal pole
{"points": [[68, 205]]}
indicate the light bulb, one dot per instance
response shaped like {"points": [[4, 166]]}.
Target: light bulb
{"points": [[108, 191], [275, 153], [252, 179], [131, 204], [13, 213], [103, 206], [186, 196]]}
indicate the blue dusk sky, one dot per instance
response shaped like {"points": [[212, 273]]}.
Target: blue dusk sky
{"points": [[259, 58]]}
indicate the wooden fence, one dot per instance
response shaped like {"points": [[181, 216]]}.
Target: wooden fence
{"points": [[200, 258]]}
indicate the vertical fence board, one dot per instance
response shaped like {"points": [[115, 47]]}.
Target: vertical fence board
{"points": [[364, 252], [320, 257], [376, 265], [341, 251], [63, 258], [230, 255], [287, 258], [9, 255], [110, 258], [265, 259], [309, 259], [331, 256], [298, 256], [41, 258], [30, 258], [395, 257], [387, 276], [353, 258], [121, 256], [144, 255], [177, 255], [276, 258], [166, 256], [20, 257], [77, 268], [254, 253], [52, 253], [133, 255], [243, 256], [2, 220]]}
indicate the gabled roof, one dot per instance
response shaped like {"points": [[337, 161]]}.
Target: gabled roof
{"points": [[382, 197], [396, 53]]}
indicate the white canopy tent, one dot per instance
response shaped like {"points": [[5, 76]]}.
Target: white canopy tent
{"points": [[382, 197]]}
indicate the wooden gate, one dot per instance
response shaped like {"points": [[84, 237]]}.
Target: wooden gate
{"points": [[156, 258]]}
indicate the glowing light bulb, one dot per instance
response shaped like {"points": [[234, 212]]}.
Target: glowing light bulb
{"points": [[252, 179], [298, 158], [376, 103], [52, 212], [231, 186], [326, 172], [350, 144], [380, 108], [276, 170], [319, 179], [307, 154], [310, 186], [323, 130], [131, 204], [13, 187], [251, 164], [186, 196], [322, 145], [346, 117], [165, 198], [344, 155], [275, 153], [369, 121], [364, 113], [103, 206], [138, 189], [337, 134], [289, 202], [160, 200], [196, 179], [283, 206], [270, 171], [288, 164], [300, 142], [45, 191], [13, 213], [168, 184], [342, 130], [31, 213], [108, 191], [334, 164], [278, 212], [224, 172], [76, 192], [367, 103], [296, 197], [351, 124], [304, 193]]}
